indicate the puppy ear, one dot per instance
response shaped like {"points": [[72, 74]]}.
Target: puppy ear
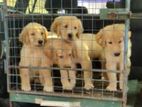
{"points": [[55, 26], [80, 28], [48, 53], [47, 50], [45, 32], [23, 37], [100, 38]]}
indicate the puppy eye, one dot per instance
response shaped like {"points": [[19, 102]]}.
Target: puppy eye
{"points": [[61, 57], [41, 33], [66, 26], [32, 34], [70, 54], [119, 41], [75, 27], [110, 42]]}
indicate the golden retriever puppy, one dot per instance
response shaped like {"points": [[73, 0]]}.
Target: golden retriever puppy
{"points": [[111, 38], [70, 28], [62, 53], [33, 37]]}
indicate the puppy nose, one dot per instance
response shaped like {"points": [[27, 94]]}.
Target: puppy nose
{"points": [[70, 36], [116, 54], [40, 42]]}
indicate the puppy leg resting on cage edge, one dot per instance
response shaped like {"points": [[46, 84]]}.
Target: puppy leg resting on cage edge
{"points": [[33, 37], [70, 28], [111, 38], [62, 53]]}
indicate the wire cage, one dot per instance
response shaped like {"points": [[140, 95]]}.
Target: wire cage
{"points": [[19, 13]]}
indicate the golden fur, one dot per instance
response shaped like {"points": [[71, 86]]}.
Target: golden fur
{"points": [[70, 28], [95, 50], [111, 39], [33, 36], [62, 53]]}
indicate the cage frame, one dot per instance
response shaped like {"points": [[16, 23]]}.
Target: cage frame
{"points": [[84, 102]]}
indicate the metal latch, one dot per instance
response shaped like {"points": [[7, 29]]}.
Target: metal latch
{"points": [[112, 14]]}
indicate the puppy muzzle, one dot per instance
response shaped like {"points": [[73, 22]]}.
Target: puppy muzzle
{"points": [[40, 42], [70, 36]]}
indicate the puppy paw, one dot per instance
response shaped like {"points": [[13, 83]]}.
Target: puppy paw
{"points": [[48, 89], [26, 88], [73, 85], [88, 86], [121, 87], [111, 88], [67, 87]]}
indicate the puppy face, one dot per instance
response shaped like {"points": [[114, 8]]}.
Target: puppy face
{"points": [[64, 58], [60, 52], [114, 43], [111, 38], [34, 34], [67, 27]]}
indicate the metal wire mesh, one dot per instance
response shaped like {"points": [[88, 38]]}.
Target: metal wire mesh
{"points": [[21, 12]]}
